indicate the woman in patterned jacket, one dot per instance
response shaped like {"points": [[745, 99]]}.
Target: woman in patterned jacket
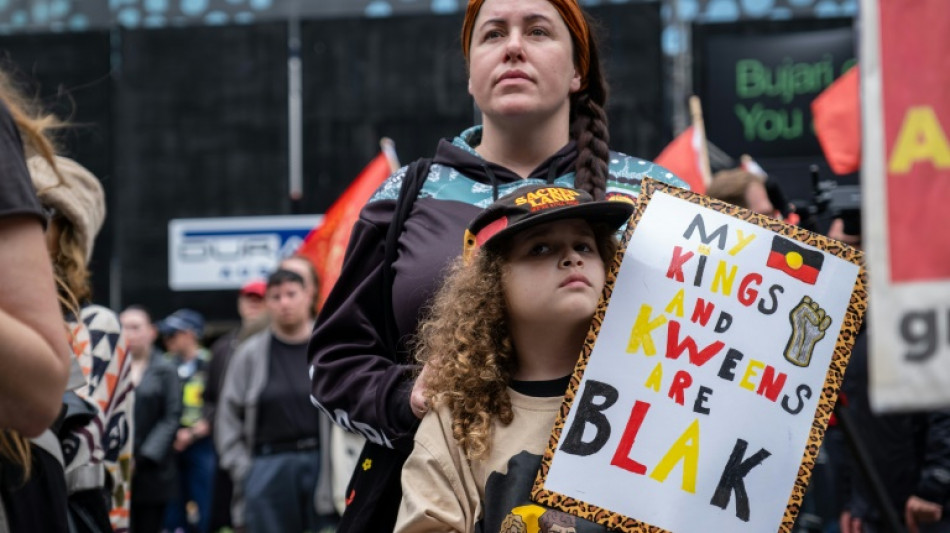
{"points": [[97, 455]]}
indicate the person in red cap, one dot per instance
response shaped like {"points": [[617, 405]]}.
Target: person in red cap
{"points": [[499, 347], [253, 312]]}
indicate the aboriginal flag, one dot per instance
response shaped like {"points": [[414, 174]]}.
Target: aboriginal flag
{"points": [[795, 260]]}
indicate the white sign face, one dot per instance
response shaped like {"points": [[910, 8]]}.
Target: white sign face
{"points": [[699, 396], [224, 253], [905, 177]]}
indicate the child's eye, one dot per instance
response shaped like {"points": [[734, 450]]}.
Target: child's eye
{"points": [[539, 249], [584, 247]]}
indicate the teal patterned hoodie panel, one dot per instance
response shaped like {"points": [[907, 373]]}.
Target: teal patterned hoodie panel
{"points": [[446, 182]]}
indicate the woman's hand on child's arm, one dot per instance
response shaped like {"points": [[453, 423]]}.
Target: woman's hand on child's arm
{"points": [[417, 399]]}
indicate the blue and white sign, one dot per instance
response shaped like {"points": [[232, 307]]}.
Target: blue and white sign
{"points": [[224, 253]]}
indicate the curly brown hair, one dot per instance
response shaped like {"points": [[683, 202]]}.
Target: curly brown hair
{"points": [[465, 342]]}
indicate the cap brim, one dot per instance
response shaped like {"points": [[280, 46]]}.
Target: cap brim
{"points": [[165, 329], [253, 293], [173, 324], [611, 213]]}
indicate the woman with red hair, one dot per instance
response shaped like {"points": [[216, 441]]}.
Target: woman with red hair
{"points": [[535, 75]]}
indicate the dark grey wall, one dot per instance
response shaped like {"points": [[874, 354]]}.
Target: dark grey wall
{"points": [[201, 131], [71, 75]]}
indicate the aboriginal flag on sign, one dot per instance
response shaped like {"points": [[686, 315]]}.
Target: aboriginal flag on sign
{"points": [[795, 260]]}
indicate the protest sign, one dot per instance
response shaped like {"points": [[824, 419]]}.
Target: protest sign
{"points": [[710, 371], [906, 180]]}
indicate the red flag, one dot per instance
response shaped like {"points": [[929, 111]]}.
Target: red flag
{"points": [[684, 157], [837, 115], [326, 243]]}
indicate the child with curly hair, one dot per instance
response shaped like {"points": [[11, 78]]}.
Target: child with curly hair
{"points": [[499, 346]]}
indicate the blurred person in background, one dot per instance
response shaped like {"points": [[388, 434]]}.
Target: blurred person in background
{"points": [[34, 348], [305, 269], [270, 438], [253, 313], [98, 454], [910, 452], [157, 412], [345, 446], [534, 72], [181, 334], [744, 189]]}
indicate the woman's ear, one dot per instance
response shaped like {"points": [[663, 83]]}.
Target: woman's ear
{"points": [[575, 82]]}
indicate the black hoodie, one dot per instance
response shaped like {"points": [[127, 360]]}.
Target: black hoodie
{"points": [[362, 383]]}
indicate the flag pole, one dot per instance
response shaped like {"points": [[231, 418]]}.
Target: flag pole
{"points": [[389, 150], [696, 116]]}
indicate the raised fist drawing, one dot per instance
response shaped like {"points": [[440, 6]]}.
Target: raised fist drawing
{"points": [[809, 323]]}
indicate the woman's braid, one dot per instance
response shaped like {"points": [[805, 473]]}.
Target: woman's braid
{"points": [[589, 128]]}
